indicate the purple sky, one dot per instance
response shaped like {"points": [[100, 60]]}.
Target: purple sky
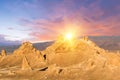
{"points": [[41, 20]]}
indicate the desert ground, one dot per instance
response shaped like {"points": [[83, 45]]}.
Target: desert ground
{"points": [[76, 59]]}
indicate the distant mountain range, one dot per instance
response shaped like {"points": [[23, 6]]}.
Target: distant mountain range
{"points": [[9, 43], [106, 42]]}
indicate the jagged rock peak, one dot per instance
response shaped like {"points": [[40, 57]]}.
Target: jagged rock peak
{"points": [[26, 45], [62, 44], [25, 48], [85, 38], [3, 53]]}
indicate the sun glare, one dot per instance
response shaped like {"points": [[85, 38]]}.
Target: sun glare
{"points": [[69, 36]]}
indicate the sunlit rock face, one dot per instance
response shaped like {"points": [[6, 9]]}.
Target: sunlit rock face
{"points": [[25, 64], [33, 56], [25, 48], [83, 59], [70, 52]]}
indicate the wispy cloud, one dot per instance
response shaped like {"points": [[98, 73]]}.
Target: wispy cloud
{"points": [[5, 42]]}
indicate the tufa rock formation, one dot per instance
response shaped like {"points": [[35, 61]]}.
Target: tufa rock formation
{"points": [[3, 53], [78, 59], [85, 38], [33, 55], [25, 48], [65, 53]]}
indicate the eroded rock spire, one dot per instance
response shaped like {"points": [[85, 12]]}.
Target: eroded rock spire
{"points": [[3, 53], [25, 64]]}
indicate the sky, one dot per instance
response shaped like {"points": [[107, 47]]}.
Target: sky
{"points": [[44, 20]]}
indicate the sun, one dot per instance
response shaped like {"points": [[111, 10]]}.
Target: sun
{"points": [[69, 36]]}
